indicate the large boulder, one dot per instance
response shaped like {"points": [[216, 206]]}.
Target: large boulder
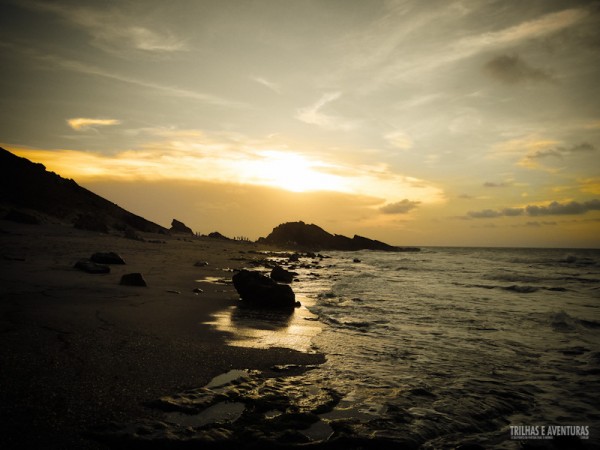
{"points": [[260, 291]]}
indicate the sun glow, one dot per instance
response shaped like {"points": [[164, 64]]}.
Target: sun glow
{"points": [[292, 172]]}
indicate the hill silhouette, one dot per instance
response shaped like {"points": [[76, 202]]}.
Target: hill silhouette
{"points": [[312, 237], [29, 193]]}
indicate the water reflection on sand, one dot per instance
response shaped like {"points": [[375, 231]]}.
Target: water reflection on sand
{"points": [[259, 328]]}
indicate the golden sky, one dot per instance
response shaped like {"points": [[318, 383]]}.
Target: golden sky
{"points": [[413, 122]]}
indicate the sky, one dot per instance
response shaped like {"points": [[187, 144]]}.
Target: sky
{"points": [[458, 123]]}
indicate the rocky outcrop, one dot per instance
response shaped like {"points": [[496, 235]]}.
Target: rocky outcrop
{"points": [[180, 227], [311, 237], [27, 186], [259, 291]]}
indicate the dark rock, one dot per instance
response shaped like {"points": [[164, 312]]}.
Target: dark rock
{"points": [[258, 290], [20, 217], [91, 267], [217, 235], [107, 258], [309, 236], [180, 227], [133, 279], [356, 260], [201, 263], [280, 274]]}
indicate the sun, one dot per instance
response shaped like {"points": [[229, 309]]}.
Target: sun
{"points": [[293, 172]]}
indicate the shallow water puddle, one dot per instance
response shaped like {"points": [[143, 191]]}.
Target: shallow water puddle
{"points": [[226, 378], [213, 280], [217, 413], [318, 431]]}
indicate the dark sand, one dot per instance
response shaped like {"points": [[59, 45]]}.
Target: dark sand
{"points": [[79, 350]]}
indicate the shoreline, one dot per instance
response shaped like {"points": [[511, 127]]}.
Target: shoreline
{"points": [[79, 350]]}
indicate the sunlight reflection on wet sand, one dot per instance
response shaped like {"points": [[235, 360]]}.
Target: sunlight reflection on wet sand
{"points": [[268, 328]]}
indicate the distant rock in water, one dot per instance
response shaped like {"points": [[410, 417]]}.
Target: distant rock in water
{"points": [[180, 227], [309, 236], [28, 187], [260, 291]]}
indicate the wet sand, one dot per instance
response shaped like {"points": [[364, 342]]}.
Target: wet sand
{"points": [[80, 351]]}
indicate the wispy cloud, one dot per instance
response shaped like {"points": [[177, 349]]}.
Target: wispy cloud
{"points": [[314, 115], [399, 139], [531, 29], [512, 69], [268, 84], [114, 29], [55, 61], [83, 123]]}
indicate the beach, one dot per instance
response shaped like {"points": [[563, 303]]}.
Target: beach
{"points": [[80, 351]]}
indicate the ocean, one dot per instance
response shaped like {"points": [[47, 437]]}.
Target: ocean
{"points": [[439, 349], [465, 342], [449, 346]]}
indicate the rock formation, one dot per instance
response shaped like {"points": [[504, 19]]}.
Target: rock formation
{"points": [[311, 237], [180, 227]]}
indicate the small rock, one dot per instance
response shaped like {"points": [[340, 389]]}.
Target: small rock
{"points": [[107, 258], [91, 267], [170, 291], [201, 263], [197, 291], [133, 279], [356, 260]]}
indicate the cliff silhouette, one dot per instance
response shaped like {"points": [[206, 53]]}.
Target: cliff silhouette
{"points": [[29, 193]]}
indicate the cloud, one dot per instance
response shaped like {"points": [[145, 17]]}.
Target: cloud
{"points": [[80, 67], [552, 209], [532, 29], [401, 207], [491, 184], [532, 158], [314, 116], [268, 84], [82, 123], [399, 139], [511, 69], [116, 30], [192, 155]]}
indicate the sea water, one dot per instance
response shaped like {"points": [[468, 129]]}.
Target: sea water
{"points": [[454, 345]]}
